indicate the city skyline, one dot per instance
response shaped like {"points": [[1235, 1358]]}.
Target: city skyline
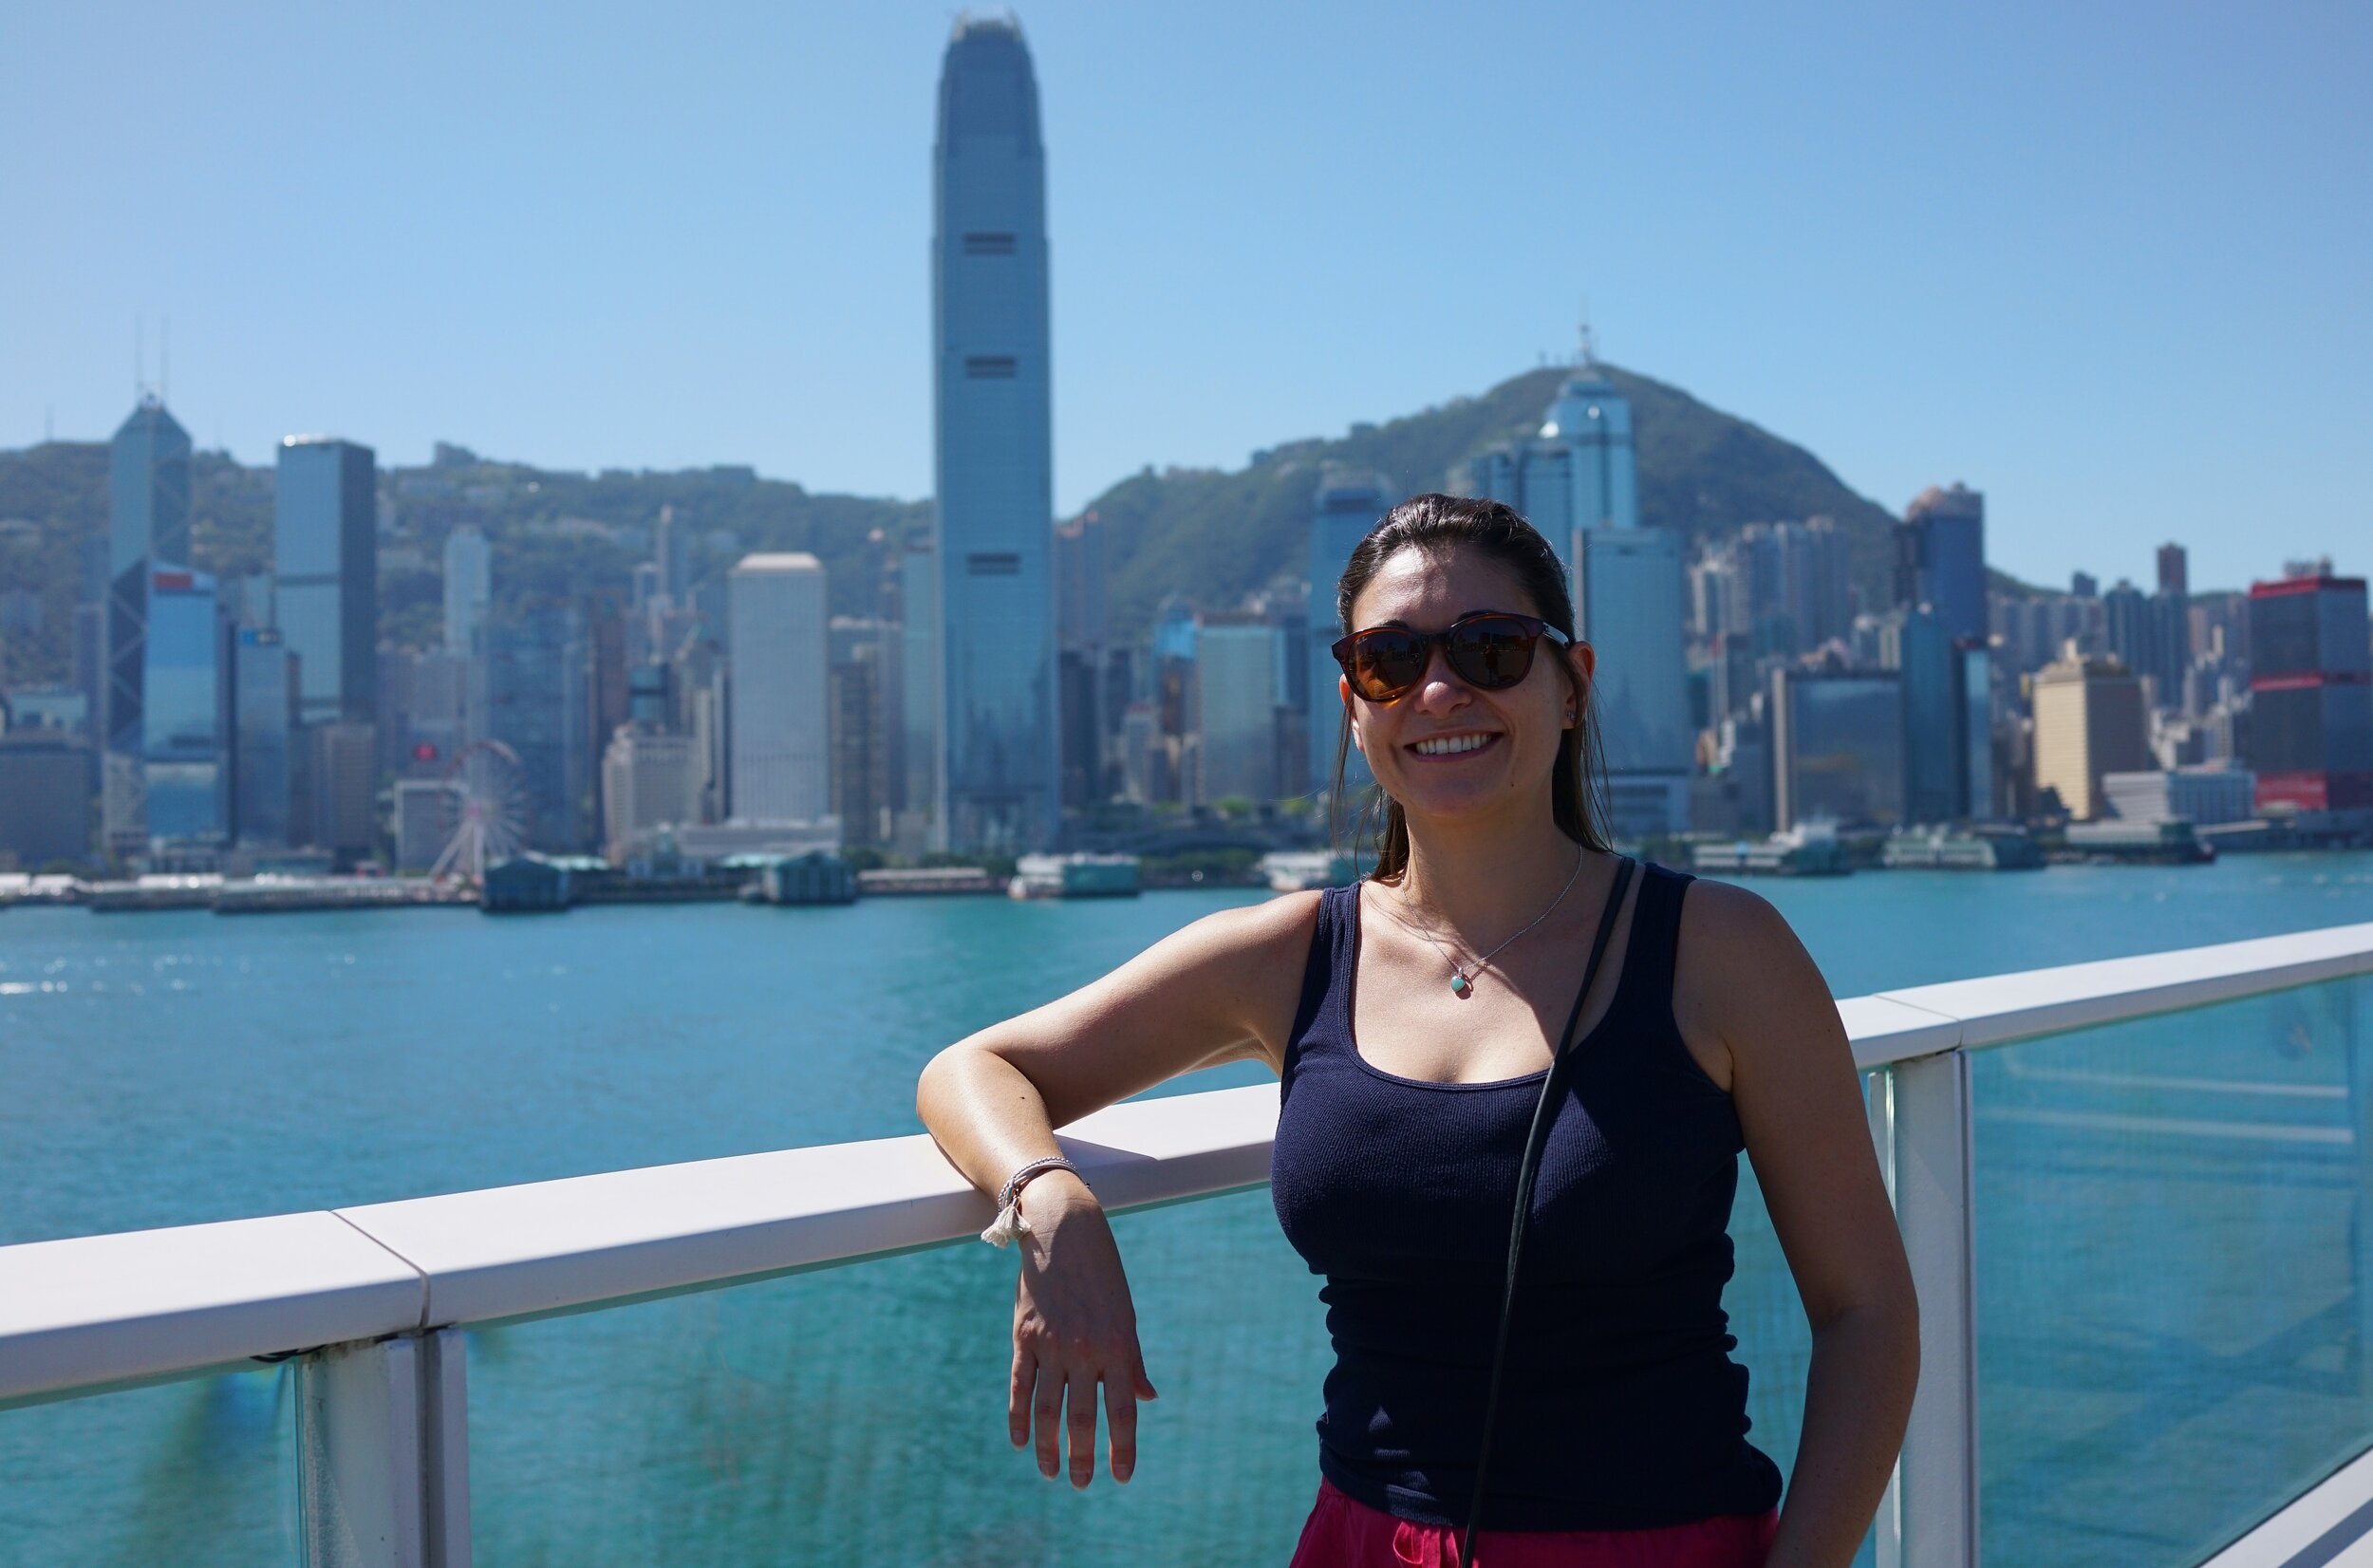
{"points": [[2061, 390]]}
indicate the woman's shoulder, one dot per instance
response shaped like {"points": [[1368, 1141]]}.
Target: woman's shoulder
{"points": [[1737, 962], [1260, 933]]}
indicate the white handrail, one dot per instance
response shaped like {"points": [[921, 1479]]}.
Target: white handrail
{"points": [[98, 1312]]}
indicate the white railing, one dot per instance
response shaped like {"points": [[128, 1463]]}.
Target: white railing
{"points": [[370, 1296]]}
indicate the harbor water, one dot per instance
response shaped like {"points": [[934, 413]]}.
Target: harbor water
{"points": [[2171, 1238]]}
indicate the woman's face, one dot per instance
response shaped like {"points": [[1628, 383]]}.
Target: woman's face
{"points": [[1444, 749]]}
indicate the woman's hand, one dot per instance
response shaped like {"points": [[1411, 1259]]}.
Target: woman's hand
{"points": [[1074, 1328]]}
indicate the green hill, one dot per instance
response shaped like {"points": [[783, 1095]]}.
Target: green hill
{"points": [[1211, 534], [1217, 535]]}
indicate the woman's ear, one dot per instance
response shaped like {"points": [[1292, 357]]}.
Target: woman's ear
{"points": [[1581, 662], [1343, 689]]}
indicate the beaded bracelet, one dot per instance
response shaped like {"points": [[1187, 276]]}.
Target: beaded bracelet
{"points": [[1009, 1222]]}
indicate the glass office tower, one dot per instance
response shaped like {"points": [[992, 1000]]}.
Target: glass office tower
{"points": [[1942, 555], [148, 505], [260, 764], [995, 454], [1578, 482], [324, 555], [1348, 505], [183, 716], [532, 697]]}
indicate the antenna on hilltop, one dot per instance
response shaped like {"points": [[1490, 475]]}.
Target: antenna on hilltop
{"points": [[165, 359], [139, 356], [1589, 352]]}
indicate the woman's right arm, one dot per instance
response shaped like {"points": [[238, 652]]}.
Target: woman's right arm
{"points": [[1223, 989]]}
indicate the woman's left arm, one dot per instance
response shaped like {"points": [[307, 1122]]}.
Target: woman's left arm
{"points": [[1754, 990]]}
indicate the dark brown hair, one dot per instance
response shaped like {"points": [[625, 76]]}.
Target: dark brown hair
{"points": [[1440, 525]]}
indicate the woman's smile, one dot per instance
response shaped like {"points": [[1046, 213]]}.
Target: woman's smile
{"points": [[1446, 747]]}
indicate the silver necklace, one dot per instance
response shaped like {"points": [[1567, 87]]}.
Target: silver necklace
{"points": [[1463, 980]]}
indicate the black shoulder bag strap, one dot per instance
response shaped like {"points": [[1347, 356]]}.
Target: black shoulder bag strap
{"points": [[1552, 1089]]}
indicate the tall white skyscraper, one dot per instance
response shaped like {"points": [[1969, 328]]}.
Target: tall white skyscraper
{"points": [[468, 584], [777, 615]]}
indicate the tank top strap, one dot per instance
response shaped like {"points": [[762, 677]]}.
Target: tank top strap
{"points": [[1655, 941], [1322, 1022]]}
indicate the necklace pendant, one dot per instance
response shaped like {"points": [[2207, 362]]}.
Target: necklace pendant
{"points": [[1460, 984]]}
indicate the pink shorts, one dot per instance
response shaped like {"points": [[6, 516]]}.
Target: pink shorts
{"points": [[1344, 1533]]}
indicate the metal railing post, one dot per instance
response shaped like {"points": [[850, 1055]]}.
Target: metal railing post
{"points": [[1879, 1102], [384, 1453], [1936, 1482]]}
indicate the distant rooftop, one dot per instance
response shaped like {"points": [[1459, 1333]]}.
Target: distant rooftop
{"points": [[788, 560]]}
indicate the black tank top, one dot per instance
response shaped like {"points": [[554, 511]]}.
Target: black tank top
{"points": [[1621, 1408]]}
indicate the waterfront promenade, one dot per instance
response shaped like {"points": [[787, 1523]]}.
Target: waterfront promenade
{"points": [[180, 1069]]}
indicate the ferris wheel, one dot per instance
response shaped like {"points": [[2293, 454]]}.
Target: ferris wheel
{"points": [[486, 810]]}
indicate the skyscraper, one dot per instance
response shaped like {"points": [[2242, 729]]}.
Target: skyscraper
{"points": [[182, 739], [261, 766], [1236, 696], [1942, 551], [995, 454], [2311, 732], [529, 693], [325, 557], [1578, 483], [1346, 507], [2090, 720], [1837, 746], [148, 506], [775, 619], [468, 584]]}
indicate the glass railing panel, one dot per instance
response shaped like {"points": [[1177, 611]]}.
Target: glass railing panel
{"points": [[1767, 1317], [2172, 1276], [858, 1414], [201, 1474]]}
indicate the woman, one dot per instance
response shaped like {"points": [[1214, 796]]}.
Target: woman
{"points": [[1411, 1020]]}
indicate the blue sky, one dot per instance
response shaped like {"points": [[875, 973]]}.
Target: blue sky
{"points": [[2113, 263]]}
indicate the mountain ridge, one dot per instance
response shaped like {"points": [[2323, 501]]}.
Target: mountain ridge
{"points": [[1214, 535]]}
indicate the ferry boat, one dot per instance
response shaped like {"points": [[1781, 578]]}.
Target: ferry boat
{"points": [[1302, 871], [1810, 848], [1960, 849], [1074, 876]]}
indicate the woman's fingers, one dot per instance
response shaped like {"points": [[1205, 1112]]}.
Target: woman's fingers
{"points": [[1044, 1410], [1120, 1415], [1018, 1396], [1082, 1390]]}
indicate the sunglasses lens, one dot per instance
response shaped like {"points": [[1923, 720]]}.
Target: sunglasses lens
{"points": [[1491, 652], [1386, 661]]}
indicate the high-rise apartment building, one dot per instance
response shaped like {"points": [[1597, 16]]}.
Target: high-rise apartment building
{"points": [[776, 623], [921, 806], [326, 566], [2089, 722], [2311, 728], [1941, 557], [469, 585], [995, 497]]}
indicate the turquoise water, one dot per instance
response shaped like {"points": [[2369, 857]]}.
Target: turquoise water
{"points": [[173, 1068]]}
